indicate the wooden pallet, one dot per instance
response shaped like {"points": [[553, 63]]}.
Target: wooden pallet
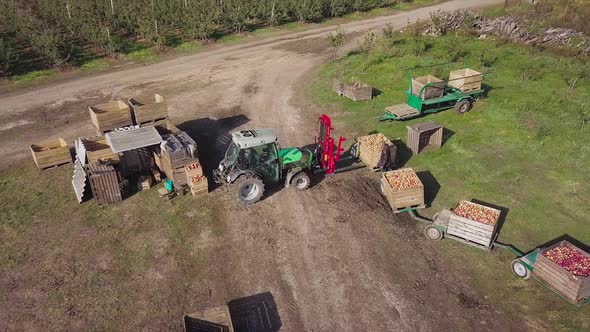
{"points": [[572, 288], [52, 153], [472, 230], [402, 111], [400, 199], [104, 182]]}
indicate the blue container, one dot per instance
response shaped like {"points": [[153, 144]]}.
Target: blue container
{"points": [[169, 185]]}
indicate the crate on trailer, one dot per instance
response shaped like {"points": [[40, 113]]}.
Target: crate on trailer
{"points": [[466, 79], [110, 116], [97, 149], [54, 152], [434, 89], [474, 222], [105, 184], [403, 189], [424, 137], [369, 148], [572, 287], [149, 109]]}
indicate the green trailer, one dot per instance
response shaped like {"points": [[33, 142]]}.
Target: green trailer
{"points": [[451, 95], [522, 266]]}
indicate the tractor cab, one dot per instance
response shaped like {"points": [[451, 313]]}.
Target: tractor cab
{"points": [[254, 158]]}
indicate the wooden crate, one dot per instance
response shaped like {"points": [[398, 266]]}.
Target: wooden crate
{"points": [[356, 91], [193, 169], [465, 79], [424, 137], [97, 149], [198, 184], [145, 182], [434, 90], [51, 153], [402, 198], [370, 156], [104, 182], [471, 230], [110, 116], [572, 288], [149, 109]]}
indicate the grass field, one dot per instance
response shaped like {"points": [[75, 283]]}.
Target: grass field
{"points": [[525, 147]]}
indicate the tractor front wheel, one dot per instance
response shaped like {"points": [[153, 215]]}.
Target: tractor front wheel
{"points": [[250, 189], [463, 106], [300, 181]]}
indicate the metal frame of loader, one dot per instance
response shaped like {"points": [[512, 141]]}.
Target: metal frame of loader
{"points": [[522, 266], [416, 106]]}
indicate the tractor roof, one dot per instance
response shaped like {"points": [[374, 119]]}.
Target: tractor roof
{"points": [[248, 138]]}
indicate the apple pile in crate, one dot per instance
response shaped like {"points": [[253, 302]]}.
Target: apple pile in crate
{"points": [[476, 212], [570, 259], [372, 142], [403, 179]]}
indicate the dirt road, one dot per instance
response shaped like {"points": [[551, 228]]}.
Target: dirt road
{"points": [[331, 256]]}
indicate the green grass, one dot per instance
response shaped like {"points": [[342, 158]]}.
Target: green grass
{"points": [[188, 47], [34, 76], [143, 56], [96, 65], [525, 147]]}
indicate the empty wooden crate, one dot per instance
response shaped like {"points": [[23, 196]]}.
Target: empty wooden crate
{"points": [[572, 287], [356, 91], [110, 116], [465, 79], [474, 222], [423, 137], [433, 87], [403, 189], [369, 148], [149, 109], [51, 153], [97, 149]]}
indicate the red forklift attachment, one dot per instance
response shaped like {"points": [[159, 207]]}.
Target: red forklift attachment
{"points": [[327, 152]]}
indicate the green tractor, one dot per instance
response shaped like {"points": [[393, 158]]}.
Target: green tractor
{"points": [[254, 158]]}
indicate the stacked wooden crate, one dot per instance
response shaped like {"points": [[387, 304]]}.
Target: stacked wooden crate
{"points": [[149, 110], [369, 148], [403, 189], [574, 288], [104, 182], [466, 79], [110, 116], [434, 89], [474, 222], [196, 179], [176, 151], [97, 149], [51, 153], [145, 182]]}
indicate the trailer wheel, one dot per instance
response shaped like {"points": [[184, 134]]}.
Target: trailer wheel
{"points": [[520, 270], [463, 106], [433, 233]]}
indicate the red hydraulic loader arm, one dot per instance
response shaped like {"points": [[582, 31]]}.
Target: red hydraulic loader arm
{"points": [[327, 152]]}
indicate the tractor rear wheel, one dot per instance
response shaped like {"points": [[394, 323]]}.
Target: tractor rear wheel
{"points": [[300, 181], [463, 106], [250, 189]]}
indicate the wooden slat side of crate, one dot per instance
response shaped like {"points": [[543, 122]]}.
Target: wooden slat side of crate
{"points": [[338, 87], [434, 90], [51, 153], [110, 116], [148, 109], [104, 182], [472, 230], [465, 79], [573, 288], [403, 198]]}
